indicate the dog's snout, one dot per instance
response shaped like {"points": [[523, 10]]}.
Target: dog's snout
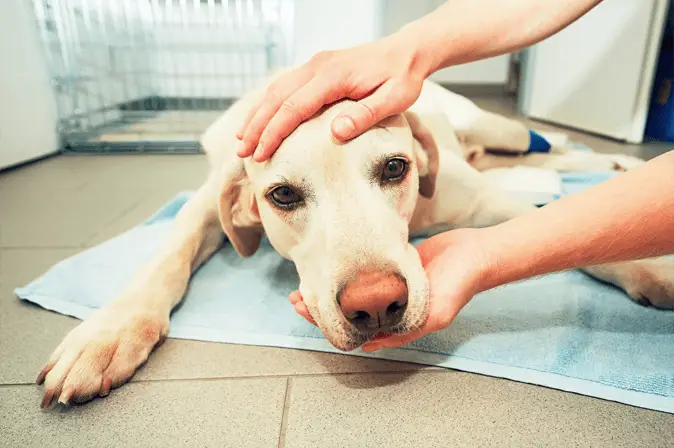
{"points": [[374, 301]]}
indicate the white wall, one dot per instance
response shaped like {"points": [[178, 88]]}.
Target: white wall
{"points": [[333, 24], [27, 104], [397, 13], [596, 74]]}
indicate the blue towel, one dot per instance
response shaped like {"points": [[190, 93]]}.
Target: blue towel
{"points": [[565, 331]]}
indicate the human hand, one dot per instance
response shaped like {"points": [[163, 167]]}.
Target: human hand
{"points": [[386, 77], [456, 265]]}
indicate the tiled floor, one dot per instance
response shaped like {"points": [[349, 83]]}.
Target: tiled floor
{"points": [[205, 394]]}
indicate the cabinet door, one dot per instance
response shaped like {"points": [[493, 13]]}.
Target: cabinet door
{"points": [[28, 117], [596, 75]]}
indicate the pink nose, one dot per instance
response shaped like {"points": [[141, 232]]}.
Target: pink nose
{"points": [[374, 301]]}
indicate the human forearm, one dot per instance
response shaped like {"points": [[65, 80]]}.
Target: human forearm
{"points": [[462, 31], [625, 218]]}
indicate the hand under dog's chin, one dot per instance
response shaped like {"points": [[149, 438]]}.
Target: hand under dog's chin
{"points": [[356, 339]]}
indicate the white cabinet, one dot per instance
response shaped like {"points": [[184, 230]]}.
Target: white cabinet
{"points": [[596, 75], [28, 117]]}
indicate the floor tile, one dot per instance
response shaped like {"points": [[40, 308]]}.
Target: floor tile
{"points": [[196, 359], [459, 409], [69, 201], [237, 413], [28, 333]]}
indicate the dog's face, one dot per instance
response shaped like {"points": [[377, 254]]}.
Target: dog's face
{"points": [[340, 212]]}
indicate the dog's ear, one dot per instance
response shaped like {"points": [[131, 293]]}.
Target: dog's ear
{"points": [[239, 215], [426, 152], [237, 206]]}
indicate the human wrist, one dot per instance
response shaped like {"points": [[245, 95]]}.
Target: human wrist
{"points": [[421, 62], [478, 262], [436, 46], [489, 272]]}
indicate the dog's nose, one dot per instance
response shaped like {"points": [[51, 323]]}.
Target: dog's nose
{"points": [[374, 301]]}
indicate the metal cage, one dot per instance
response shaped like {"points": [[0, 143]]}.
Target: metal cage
{"points": [[151, 75]]}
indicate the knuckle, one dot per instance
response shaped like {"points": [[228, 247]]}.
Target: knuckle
{"points": [[273, 93], [321, 57], [289, 106], [367, 113]]}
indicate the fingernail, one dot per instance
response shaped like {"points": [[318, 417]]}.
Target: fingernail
{"points": [[240, 149], [344, 127]]}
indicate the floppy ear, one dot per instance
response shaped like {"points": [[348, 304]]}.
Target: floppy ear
{"points": [[237, 206], [426, 152]]}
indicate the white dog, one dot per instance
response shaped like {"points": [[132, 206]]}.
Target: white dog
{"points": [[343, 213]]}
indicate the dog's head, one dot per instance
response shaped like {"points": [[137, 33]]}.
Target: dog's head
{"points": [[341, 213]]}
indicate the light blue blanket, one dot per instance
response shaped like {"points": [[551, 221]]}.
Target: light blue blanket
{"points": [[565, 331]]}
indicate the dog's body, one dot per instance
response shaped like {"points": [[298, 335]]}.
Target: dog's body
{"points": [[343, 213]]}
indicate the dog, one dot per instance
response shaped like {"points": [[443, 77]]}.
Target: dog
{"points": [[343, 213]]}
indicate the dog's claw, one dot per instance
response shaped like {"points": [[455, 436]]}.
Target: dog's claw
{"points": [[47, 399], [40, 378], [105, 387], [65, 396]]}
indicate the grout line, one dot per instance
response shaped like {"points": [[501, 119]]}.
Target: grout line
{"points": [[9, 386], [81, 246], [307, 375], [430, 371], [111, 222], [284, 416]]}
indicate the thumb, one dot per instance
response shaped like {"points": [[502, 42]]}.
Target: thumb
{"points": [[390, 98]]}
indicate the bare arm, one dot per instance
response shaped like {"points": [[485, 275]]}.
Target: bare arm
{"points": [[626, 218], [386, 75], [466, 31]]}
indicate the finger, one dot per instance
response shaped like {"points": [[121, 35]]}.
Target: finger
{"points": [[397, 340], [390, 98], [249, 116], [295, 297], [303, 311], [276, 94], [301, 105]]}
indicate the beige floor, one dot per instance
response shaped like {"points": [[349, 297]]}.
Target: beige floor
{"points": [[205, 394]]}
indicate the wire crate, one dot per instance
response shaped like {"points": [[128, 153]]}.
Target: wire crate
{"points": [[151, 75]]}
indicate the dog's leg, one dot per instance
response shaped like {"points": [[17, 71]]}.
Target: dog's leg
{"points": [[465, 199], [474, 127], [479, 131], [563, 160], [105, 350], [493, 131]]}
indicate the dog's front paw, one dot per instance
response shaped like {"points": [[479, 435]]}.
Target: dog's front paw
{"points": [[101, 353], [651, 282]]}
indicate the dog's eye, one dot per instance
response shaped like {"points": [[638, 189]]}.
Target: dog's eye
{"points": [[285, 197], [394, 169]]}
